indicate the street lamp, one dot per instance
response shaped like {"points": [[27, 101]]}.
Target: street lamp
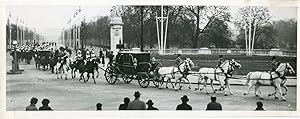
{"points": [[15, 62]]}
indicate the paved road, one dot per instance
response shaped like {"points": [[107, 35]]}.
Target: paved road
{"points": [[74, 95]]}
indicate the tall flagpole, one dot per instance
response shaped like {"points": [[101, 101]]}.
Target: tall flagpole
{"points": [[9, 24], [162, 28], [17, 30]]}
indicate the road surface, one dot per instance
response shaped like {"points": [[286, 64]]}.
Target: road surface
{"points": [[71, 94]]}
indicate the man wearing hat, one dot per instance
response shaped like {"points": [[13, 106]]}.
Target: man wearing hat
{"points": [[150, 105], [137, 104], [184, 105], [213, 105]]}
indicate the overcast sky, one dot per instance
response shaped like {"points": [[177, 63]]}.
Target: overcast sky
{"points": [[49, 20]]}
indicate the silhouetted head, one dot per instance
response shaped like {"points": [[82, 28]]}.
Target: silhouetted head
{"points": [[259, 104], [149, 103], [45, 102], [126, 100], [99, 106], [137, 94], [33, 100], [184, 98], [213, 98]]}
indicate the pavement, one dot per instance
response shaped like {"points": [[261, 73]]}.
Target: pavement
{"points": [[72, 95]]}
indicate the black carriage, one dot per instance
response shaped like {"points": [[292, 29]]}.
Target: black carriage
{"points": [[130, 65], [43, 59]]}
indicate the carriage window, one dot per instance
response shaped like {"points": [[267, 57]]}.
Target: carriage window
{"points": [[125, 59]]}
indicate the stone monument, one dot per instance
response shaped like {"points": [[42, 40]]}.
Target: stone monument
{"points": [[116, 29]]}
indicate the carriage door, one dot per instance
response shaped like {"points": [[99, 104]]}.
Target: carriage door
{"points": [[128, 63]]}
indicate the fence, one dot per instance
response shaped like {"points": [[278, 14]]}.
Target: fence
{"points": [[217, 51]]}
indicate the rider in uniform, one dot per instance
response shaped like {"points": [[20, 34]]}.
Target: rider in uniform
{"points": [[274, 64], [178, 61], [93, 56], [79, 58], [87, 56], [220, 61], [63, 56]]}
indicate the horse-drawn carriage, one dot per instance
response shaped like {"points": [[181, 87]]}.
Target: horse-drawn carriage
{"points": [[130, 65], [42, 58]]}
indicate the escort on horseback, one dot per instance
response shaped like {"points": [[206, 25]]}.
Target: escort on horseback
{"points": [[273, 77]]}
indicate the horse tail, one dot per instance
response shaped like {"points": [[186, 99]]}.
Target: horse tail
{"points": [[248, 78]]}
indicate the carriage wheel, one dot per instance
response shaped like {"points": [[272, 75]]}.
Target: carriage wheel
{"points": [[155, 81], [110, 76], [127, 79], [143, 80]]}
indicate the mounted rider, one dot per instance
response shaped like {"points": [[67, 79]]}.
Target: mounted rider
{"points": [[79, 57], [274, 65], [178, 61], [63, 55], [220, 62], [87, 56], [93, 56]]}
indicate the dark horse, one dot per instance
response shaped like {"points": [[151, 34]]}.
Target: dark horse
{"points": [[53, 61], [88, 68]]}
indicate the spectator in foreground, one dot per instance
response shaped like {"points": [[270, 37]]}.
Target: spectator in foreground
{"points": [[137, 104], [213, 105], [184, 105], [32, 106], [45, 106], [150, 105], [99, 106], [259, 106], [125, 105]]}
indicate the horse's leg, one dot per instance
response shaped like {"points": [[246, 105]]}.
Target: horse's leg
{"points": [[57, 75], [188, 82], [228, 85], [280, 91], [249, 88], [212, 86], [204, 85], [168, 79], [199, 81], [160, 82], [97, 72], [257, 85], [66, 73], [175, 84], [286, 89], [94, 78]]}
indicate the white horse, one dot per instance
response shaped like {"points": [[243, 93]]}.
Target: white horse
{"points": [[62, 68], [179, 74], [220, 74], [270, 79]]}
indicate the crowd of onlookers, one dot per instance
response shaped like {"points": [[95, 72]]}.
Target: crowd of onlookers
{"points": [[138, 104]]}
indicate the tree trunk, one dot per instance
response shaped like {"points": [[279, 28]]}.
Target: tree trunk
{"points": [[196, 36]]}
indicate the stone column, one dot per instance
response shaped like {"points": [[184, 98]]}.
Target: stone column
{"points": [[116, 30]]}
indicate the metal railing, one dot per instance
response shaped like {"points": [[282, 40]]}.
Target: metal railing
{"points": [[217, 51]]}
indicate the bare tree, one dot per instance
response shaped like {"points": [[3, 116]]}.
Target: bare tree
{"points": [[251, 19]]}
